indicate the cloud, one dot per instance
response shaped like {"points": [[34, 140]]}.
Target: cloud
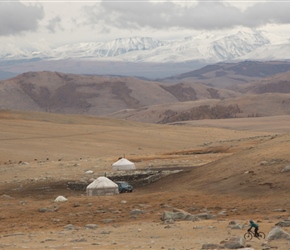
{"points": [[210, 15], [268, 13], [53, 24], [15, 17]]}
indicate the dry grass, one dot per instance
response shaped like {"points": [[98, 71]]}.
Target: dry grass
{"points": [[232, 170]]}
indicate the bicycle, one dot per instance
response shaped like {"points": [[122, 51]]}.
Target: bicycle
{"points": [[249, 235]]}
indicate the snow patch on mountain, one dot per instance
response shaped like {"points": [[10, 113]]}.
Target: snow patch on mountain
{"points": [[203, 47]]}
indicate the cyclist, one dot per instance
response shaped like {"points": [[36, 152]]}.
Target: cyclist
{"points": [[254, 225]]}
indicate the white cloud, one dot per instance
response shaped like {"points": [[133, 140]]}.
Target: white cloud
{"points": [[60, 22], [16, 17], [208, 15]]}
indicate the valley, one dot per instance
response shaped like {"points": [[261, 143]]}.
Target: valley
{"points": [[233, 172]]}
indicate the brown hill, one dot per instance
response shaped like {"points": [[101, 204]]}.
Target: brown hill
{"points": [[270, 104], [150, 101], [95, 95], [278, 83], [229, 75]]}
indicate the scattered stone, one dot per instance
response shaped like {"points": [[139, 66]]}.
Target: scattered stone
{"points": [[278, 233], [123, 202], [89, 172]]}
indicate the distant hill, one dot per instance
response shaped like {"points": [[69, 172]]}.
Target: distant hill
{"points": [[229, 75], [258, 89], [95, 95]]}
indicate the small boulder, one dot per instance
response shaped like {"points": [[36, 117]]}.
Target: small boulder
{"points": [[235, 243], [278, 233], [60, 199], [283, 223], [286, 169], [211, 246]]}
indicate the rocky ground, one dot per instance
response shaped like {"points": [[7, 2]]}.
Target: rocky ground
{"points": [[204, 206]]}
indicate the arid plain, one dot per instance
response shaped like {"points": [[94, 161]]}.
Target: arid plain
{"points": [[233, 170]]}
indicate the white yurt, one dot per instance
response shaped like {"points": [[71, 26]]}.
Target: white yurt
{"points": [[102, 186], [123, 164]]}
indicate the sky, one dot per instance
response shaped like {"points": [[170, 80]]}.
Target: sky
{"points": [[54, 22]]}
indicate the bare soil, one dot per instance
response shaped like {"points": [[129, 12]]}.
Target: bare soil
{"points": [[230, 173]]}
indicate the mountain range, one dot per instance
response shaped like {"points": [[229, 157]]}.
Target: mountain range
{"points": [[223, 90], [145, 56]]}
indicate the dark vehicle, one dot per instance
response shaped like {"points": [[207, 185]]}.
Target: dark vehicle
{"points": [[124, 187]]}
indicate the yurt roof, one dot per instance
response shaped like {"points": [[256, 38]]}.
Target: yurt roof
{"points": [[123, 161], [102, 182]]}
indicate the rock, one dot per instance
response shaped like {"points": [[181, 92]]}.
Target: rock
{"points": [[89, 172], [79, 240], [69, 227], [91, 226], [5, 196], [232, 222], [179, 214], [235, 243], [237, 226], [286, 169], [45, 209], [222, 213], [279, 210], [108, 220], [137, 211], [176, 216], [211, 246], [204, 216], [278, 233], [285, 223], [60, 199]]}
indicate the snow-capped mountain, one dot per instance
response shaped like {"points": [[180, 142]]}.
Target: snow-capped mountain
{"points": [[144, 56], [204, 47]]}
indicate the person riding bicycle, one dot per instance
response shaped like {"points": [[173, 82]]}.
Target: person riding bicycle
{"points": [[254, 225]]}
